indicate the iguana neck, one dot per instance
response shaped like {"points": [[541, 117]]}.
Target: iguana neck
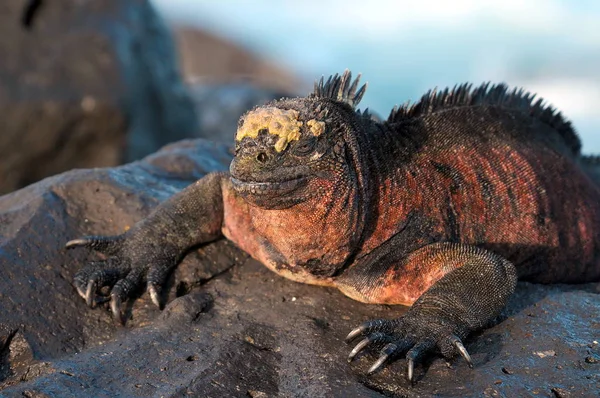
{"points": [[317, 235], [387, 156]]}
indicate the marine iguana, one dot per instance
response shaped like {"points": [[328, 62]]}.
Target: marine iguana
{"points": [[442, 206]]}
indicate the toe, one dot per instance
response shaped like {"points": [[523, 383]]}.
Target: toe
{"points": [[122, 290], [388, 352], [97, 280], [373, 338], [156, 279], [417, 352], [105, 244], [97, 274], [378, 325], [452, 345], [90, 292], [115, 307]]}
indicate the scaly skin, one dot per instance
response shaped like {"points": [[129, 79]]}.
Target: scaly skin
{"points": [[442, 207]]}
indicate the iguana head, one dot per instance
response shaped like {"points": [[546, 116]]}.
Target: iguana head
{"points": [[290, 149]]}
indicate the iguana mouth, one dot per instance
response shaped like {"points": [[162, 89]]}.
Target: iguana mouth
{"points": [[268, 187]]}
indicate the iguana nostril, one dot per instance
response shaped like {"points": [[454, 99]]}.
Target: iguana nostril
{"points": [[262, 157]]}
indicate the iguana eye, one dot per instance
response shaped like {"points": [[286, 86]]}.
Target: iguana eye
{"points": [[305, 147]]}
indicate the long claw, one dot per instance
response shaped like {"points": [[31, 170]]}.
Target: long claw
{"points": [[415, 353], [115, 307], [355, 333], [378, 364], [362, 344], [463, 351], [154, 295], [386, 353], [104, 244], [90, 293], [81, 292], [76, 243]]}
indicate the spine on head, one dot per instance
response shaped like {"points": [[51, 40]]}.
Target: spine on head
{"points": [[340, 88]]}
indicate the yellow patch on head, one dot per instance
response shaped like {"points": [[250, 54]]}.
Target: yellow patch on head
{"points": [[280, 122], [316, 127]]}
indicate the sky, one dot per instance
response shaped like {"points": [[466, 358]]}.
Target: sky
{"points": [[404, 48]]}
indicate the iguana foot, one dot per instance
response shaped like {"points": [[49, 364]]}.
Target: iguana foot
{"points": [[464, 300], [118, 273], [414, 334]]}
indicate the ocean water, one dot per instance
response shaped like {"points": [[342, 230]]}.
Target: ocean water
{"points": [[404, 48]]}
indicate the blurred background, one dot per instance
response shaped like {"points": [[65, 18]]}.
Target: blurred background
{"points": [[403, 48], [99, 83]]}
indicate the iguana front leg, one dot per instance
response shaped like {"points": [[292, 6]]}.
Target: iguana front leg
{"points": [[151, 248], [473, 291]]}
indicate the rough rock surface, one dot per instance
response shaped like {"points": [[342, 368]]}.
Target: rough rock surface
{"points": [[83, 84], [233, 328]]}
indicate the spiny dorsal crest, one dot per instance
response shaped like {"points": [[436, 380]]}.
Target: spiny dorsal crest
{"points": [[340, 88], [465, 95]]}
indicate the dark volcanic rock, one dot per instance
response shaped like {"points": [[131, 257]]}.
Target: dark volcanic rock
{"points": [[84, 84], [233, 328]]}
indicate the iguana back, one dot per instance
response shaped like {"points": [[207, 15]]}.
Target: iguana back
{"points": [[486, 167]]}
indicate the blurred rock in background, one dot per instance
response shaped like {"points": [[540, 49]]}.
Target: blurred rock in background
{"points": [[91, 84], [85, 84], [219, 106], [225, 80], [206, 57]]}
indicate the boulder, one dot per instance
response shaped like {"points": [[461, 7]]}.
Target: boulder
{"points": [[85, 84], [231, 327]]}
